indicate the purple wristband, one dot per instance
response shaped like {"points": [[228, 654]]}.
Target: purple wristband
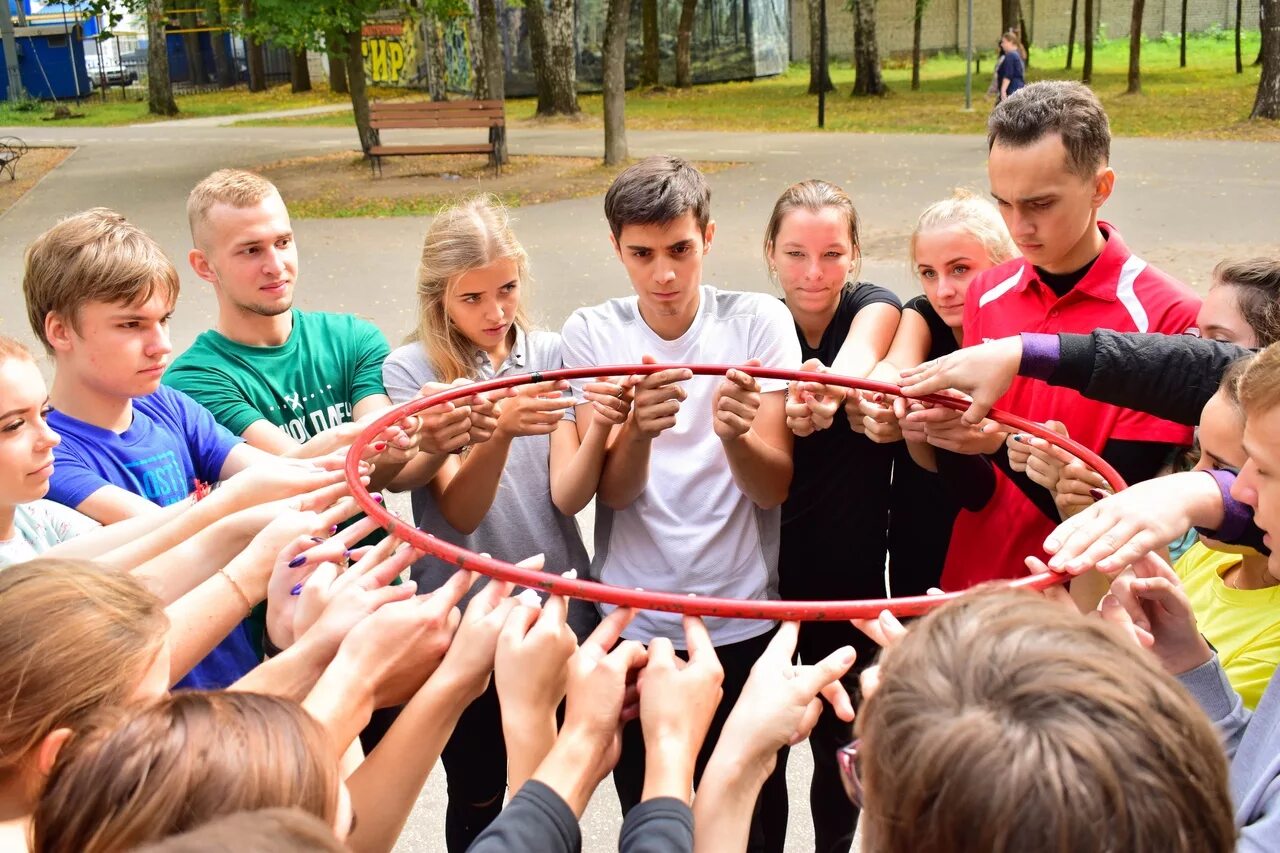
{"points": [[1040, 354], [1236, 516]]}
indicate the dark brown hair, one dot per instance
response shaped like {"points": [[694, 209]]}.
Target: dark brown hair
{"points": [[277, 830], [141, 776], [656, 190], [1068, 109], [1005, 722], [1257, 291]]}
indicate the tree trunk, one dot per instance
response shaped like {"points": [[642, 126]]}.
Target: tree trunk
{"points": [[437, 68], [300, 73], [1182, 38], [1267, 104], [651, 60], [160, 100], [1086, 73], [359, 92], [494, 71], [195, 60], [819, 75], [254, 56], [615, 82], [1239, 57], [867, 79], [336, 45], [1071, 35], [917, 20], [479, 72], [540, 53], [562, 40], [1009, 13], [223, 68], [1135, 49], [1024, 31], [684, 45]]}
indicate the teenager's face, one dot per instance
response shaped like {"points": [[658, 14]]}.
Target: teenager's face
{"points": [[120, 350], [249, 255], [664, 262], [1220, 318], [947, 260], [813, 254], [482, 303], [1047, 207], [1220, 435], [1259, 482], [26, 441]]}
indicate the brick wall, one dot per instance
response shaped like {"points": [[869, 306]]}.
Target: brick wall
{"points": [[945, 21]]}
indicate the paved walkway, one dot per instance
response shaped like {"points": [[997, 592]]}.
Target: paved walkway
{"points": [[228, 121], [1181, 205]]}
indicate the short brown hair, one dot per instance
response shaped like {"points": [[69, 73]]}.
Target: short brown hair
{"points": [[1259, 387], [74, 637], [814, 196], [1066, 108], [1257, 284], [1006, 722], [279, 830], [657, 190], [141, 776], [234, 187], [94, 256]]}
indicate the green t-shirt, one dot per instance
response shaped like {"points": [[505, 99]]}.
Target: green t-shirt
{"points": [[305, 386]]}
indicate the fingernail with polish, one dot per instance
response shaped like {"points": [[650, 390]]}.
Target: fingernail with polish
{"points": [[1019, 438], [317, 539], [297, 561], [380, 446], [297, 590], [333, 529], [1097, 494], [377, 498]]}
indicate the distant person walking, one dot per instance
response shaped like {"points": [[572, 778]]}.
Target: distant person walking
{"points": [[1011, 71]]}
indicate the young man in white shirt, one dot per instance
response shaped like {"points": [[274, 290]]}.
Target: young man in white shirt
{"points": [[690, 494]]}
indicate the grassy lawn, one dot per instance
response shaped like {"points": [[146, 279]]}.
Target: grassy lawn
{"points": [[1205, 100], [115, 111]]}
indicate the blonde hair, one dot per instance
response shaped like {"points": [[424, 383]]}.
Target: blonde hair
{"points": [[74, 637], [234, 187], [1259, 387], [976, 216], [10, 348], [94, 256], [814, 196], [278, 830], [462, 238], [142, 776], [1007, 722]]}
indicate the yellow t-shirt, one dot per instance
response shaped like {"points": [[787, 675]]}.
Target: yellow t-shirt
{"points": [[1242, 624]]}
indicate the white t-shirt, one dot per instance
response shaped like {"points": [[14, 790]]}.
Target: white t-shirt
{"points": [[38, 526], [692, 530]]}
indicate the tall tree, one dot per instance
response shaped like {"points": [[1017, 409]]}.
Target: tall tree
{"points": [[684, 44], [495, 71], [917, 24], [615, 82], [1267, 103], [651, 58], [359, 91], [554, 54], [1071, 34], [437, 67], [299, 72], [223, 67], [1182, 37], [1135, 49], [1239, 58], [254, 56], [335, 44], [867, 79], [819, 74], [1010, 13], [1086, 73], [160, 100], [539, 52]]}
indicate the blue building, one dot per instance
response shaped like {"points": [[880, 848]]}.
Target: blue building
{"points": [[50, 61]]}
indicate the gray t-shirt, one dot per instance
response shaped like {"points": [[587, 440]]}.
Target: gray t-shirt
{"points": [[38, 526], [522, 520]]}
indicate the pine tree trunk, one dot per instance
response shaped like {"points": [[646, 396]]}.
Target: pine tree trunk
{"points": [[336, 44], [563, 68], [1071, 35], [684, 44], [299, 73], [1267, 104], [867, 79], [651, 59], [160, 100], [1135, 49], [1086, 72], [535, 13], [359, 92], [495, 72], [1182, 38], [615, 82], [917, 21], [437, 70], [818, 74]]}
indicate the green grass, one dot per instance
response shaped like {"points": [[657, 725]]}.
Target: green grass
{"points": [[115, 111], [1207, 99]]}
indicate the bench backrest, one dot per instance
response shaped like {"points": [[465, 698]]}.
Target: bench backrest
{"points": [[426, 114]]}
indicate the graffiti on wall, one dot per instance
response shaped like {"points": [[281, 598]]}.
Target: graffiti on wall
{"points": [[391, 55], [457, 56]]}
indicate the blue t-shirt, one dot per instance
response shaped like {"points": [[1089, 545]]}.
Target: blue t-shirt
{"points": [[171, 442], [1012, 69]]}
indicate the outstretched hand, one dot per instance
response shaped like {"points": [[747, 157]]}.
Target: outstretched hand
{"points": [[983, 372]]}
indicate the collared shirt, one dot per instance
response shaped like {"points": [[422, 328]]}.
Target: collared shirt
{"points": [[1121, 292], [514, 363]]}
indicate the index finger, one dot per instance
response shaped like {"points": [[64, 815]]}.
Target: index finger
{"points": [[447, 597], [555, 611], [666, 377], [783, 644], [610, 629], [698, 641]]}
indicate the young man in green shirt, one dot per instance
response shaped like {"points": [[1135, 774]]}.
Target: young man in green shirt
{"points": [[291, 382]]}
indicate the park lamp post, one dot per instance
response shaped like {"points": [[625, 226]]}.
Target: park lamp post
{"points": [[968, 64]]}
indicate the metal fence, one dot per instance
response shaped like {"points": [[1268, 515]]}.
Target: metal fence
{"points": [[117, 66]]}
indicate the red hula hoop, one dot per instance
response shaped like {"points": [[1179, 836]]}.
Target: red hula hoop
{"points": [[811, 611]]}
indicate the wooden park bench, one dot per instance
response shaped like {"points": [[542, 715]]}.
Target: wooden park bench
{"points": [[11, 150], [428, 115]]}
